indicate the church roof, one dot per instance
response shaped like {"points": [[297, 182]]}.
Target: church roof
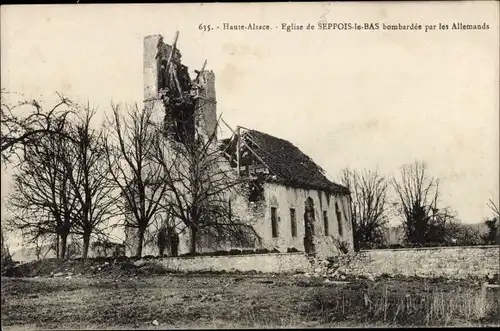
{"points": [[290, 165]]}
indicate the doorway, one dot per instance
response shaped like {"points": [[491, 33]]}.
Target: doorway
{"points": [[309, 220]]}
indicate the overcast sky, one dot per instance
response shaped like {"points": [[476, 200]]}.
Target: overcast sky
{"points": [[361, 99]]}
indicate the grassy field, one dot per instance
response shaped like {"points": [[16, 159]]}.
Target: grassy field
{"points": [[240, 301]]}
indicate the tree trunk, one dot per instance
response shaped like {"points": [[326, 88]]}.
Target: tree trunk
{"points": [[6, 258], [86, 245], [57, 248], [63, 244], [140, 243], [194, 232], [357, 240]]}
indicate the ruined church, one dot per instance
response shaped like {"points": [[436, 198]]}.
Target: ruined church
{"points": [[292, 206]]}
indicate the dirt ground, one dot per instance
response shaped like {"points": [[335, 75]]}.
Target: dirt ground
{"points": [[237, 301]]}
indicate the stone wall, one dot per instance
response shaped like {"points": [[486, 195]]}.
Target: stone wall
{"points": [[447, 262], [268, 263], [207, 104], [150, 67]]}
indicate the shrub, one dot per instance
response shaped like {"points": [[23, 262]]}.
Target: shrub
{"points": [[121, 258], [341, 244]]}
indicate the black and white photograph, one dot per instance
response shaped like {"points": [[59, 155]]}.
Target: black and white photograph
{"points": [[250, 165]]}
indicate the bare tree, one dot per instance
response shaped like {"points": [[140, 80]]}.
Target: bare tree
{"points": [[417, 197], [494, 207], [129, 145], [25, 122], [201, 185], [5, 258], [199, 180], [87, 169], [493, 235], [41, 200], [369, 205]]}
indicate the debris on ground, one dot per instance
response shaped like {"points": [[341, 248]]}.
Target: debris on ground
{"points": [[267, 281]]}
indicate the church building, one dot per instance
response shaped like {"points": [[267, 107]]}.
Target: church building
{"points": [[291, 204]]}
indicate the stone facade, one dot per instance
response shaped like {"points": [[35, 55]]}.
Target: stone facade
{"points": [[284, 198], [258, 214]]}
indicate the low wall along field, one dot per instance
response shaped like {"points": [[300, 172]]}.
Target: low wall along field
{"points": [[446, 262], [267, 263]]}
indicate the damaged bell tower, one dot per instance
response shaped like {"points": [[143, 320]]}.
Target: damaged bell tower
{"points": [[186, 105]]}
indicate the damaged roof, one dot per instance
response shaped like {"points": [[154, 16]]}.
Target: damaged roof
{"points": [[289, 163]]}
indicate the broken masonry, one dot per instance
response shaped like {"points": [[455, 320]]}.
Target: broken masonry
{"points": [[178, 92]]}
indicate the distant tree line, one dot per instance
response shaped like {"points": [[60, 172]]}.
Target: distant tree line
{"points": [[423, 220]]}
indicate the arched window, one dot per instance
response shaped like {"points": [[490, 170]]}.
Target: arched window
{"points": [[325, 223], [339, 218], [293, 222], [274, 222]]}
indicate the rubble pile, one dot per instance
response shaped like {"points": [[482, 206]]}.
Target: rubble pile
{"points": [[92, 267]]}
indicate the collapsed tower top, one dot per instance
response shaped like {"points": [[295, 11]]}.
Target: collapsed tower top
{"points": [[167, 80]]}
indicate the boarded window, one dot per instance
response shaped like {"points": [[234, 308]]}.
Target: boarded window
{"points": [[293, 222], [274, 222], [325, 223], [339, 219]]}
